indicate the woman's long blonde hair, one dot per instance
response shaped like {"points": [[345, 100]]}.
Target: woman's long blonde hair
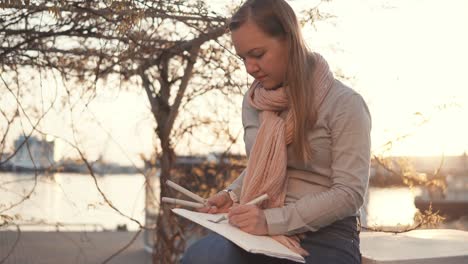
{"points": [[277, 19]]}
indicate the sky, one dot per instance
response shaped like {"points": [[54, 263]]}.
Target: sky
{"points": [[408, 59]]}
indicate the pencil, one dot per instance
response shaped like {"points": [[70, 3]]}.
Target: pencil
{"points": [[182, 202], [185, 191], [259, 199]]}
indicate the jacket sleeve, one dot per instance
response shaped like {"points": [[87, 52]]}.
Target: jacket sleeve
{"points": [[350, 126]]}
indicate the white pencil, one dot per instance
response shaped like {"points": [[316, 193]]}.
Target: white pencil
{"points": [[259, 199], [185, 191], [182, 202]]}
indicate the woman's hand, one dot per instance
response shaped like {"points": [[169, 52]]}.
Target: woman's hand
{"points": [[248, 218], [218, 203]]}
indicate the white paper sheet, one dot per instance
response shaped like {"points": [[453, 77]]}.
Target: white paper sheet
{"points": [[251, 243]]}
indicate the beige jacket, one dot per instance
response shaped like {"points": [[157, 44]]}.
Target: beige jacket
{"points": [[331, 185]]}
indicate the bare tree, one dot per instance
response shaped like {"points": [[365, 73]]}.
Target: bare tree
{"points": [[174, 50]]}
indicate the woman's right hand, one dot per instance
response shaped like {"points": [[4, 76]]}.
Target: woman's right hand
{"points": [[218, 203]]}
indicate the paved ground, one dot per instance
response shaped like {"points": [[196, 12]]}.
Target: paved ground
{"points": [[71, 247], [420, 246]]}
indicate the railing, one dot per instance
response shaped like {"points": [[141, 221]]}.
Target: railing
{"points": [[148, 235], [95, 227]]}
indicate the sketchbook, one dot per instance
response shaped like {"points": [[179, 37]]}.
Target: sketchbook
{"points": [[251, 243]]}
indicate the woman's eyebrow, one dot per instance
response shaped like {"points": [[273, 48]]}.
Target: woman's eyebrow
{"points": [[254, 49], [250, 51]]}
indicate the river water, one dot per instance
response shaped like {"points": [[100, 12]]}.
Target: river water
{"points": [[73, 201]]}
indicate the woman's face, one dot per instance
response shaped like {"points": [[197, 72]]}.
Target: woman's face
{"points": [[265, 57]]}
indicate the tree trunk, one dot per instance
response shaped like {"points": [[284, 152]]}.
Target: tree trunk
{"points": [[168, 246]]}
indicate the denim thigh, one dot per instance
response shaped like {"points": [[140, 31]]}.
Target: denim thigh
{"points": [[335, 244], [214, 249]]}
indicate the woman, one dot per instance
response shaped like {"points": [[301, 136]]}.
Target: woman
{"points": [[307, 138]]}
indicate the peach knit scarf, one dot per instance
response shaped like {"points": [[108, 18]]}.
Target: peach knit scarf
{"points": [[266, 168]]}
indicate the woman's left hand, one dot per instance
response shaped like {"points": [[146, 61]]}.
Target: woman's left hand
{"points": [[248, 218]]}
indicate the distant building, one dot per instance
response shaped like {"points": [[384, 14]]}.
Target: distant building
{"points": [[33, 154], [447, 164], [427, 164]]}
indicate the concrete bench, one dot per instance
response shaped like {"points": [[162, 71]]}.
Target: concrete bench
{"points": [[425, 246]]}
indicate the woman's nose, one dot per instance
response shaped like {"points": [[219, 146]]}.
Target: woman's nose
{"points": [[251, 66]]}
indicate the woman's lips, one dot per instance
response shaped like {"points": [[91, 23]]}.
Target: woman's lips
{"points": [[261, 78]]}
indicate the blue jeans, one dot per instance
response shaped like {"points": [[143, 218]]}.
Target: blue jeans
{"points": [[336, 243]]}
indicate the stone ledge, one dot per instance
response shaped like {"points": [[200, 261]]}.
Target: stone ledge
{"points": [[425, 246]]}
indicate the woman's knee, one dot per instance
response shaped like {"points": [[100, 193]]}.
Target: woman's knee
{"points": [[213, 249]]}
